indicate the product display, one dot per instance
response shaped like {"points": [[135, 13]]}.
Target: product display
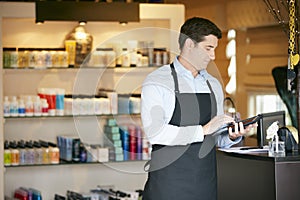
{"points": [[23, 193], [48, 101], [30, 153], [35, 57], [126, 142], [101, 193], [54, 102], [129, 104], [77, 52]]}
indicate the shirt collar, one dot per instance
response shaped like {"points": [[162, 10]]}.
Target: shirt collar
{"points": [[182, 70]]}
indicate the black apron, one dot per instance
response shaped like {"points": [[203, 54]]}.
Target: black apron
{"points": [[177, 172]]}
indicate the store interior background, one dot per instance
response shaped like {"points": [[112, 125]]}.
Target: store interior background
{"points": [[261, 45]]}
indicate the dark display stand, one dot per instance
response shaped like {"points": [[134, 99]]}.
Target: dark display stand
{"points": [[257, 176]]}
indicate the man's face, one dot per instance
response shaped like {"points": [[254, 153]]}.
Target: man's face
{"points": [[203, 52]]}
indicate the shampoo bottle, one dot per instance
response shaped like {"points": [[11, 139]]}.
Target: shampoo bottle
{"points": [[6, 107], [14, 107]]}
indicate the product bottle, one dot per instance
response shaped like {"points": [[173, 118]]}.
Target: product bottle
{"points": [[7, 154], [60, 94], [14, 107], [15, 154], [132, 48], [125, 58], [37, 106], [45, 148], [53, 153], [6, 107], [22, 109], [30, 153], [14, 58], [23, 152], [83, 153], [44, 107], [110, 57], [51, 100], [29, 107], [38, 153]]}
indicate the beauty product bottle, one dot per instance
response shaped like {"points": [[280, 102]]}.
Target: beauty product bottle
{"points": [[15, 159], [38, 153], [44, 107], [53, 153], [22, 152], [83, 153], [6, 107], [125, 58], [14, 107], [37, 106], [51, 100], [60, 94], [30, 153], [22, 109], [45, 148], [29, 107], [7, 154]]}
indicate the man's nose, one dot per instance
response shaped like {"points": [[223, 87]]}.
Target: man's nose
{"points": [[212, 55]]}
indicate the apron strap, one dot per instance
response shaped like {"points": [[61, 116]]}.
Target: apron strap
{"points": [[147, 166], [212, 100], [174, 74], [212, 94], [209, 140]]}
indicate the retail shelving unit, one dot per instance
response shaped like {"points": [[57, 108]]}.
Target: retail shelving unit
{"points": [[158, 22]]}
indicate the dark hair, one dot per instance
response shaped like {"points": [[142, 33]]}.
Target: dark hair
{"points": [[196, 28]]}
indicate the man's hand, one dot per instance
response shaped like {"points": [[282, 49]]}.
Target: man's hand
{"points": [[239, 131], [215, 123]]}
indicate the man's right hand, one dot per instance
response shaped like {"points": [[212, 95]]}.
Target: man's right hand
{"points": [[215, 123]]}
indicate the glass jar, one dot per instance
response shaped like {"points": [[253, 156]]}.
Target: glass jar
{"points": [[64, 57], [32, 58], [84, 42], [14, 58], [125, 58], [23, 57], [47, 58], [6, 56], [98, 58], [110, 57]]}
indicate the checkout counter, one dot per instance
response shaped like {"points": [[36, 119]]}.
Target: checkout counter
{"points": [[254, 175]]}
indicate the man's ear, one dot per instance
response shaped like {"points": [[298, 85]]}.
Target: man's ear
{"points": [[189, 43]]}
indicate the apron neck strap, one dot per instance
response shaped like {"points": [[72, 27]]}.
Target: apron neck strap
{"points": [[212, 94], [212, 100], [174, 74]]}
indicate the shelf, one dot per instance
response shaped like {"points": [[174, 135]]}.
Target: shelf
{"points": [[70, 116], [63, 163], [77, 68]]}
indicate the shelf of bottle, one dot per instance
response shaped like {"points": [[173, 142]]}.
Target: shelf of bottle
{"points": [[77, 68], [72, 116], [63, 163]]}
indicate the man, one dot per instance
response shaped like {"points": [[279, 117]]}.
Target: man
{"points": [[182, 106]]}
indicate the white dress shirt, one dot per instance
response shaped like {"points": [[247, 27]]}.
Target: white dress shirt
{"points": [[158, 104]]}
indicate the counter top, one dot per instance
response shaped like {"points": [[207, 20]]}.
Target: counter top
{"points": [[262, 154]]}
